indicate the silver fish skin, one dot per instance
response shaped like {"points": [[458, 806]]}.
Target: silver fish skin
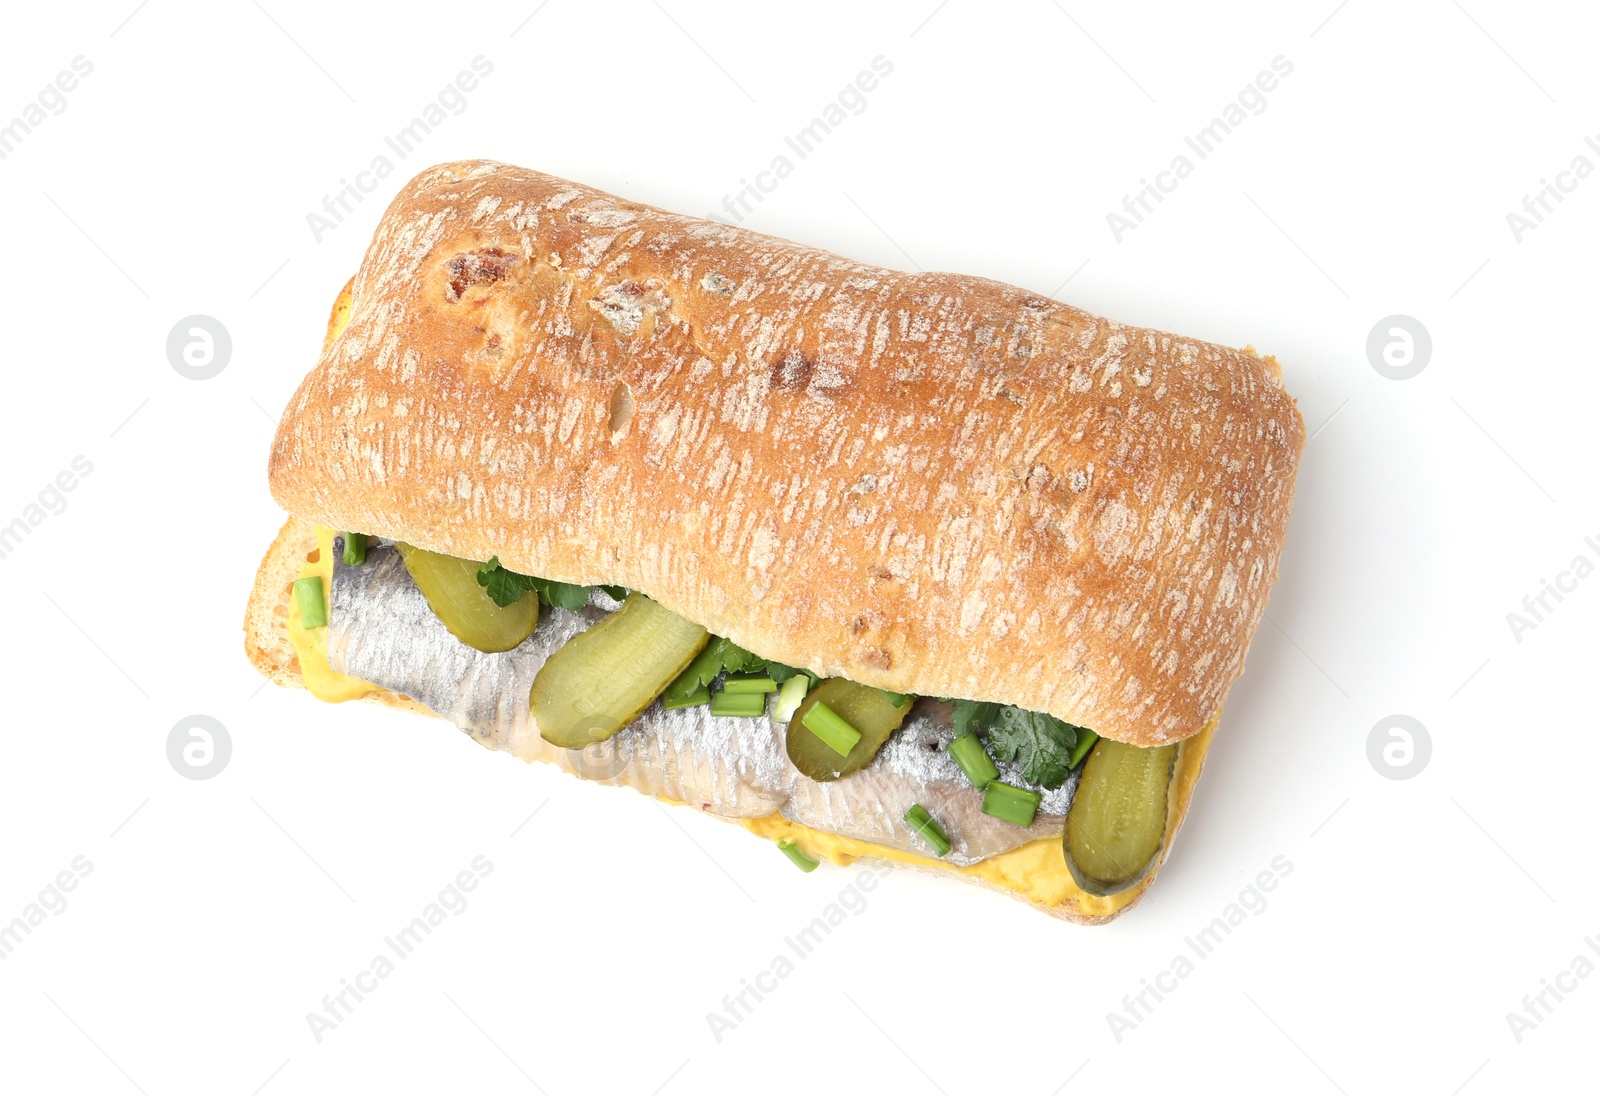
{"points": [[913, 767], [382, 630]]}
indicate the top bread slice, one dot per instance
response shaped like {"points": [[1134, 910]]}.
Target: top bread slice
{"points": [[930, 483]]}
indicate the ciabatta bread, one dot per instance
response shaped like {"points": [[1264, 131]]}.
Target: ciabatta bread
{"points": [[931, 483]]}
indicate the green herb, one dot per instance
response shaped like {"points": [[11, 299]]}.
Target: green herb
{"points": [[828, 725], [923, 825], [968, 752], [503, 587], [507, 587], [560, 595], [1010, 803], [899, 700], [309, 599], [790, 695], [716, 658], [1045, 747], [973, 715], [741, 661], [700, 696], [699, 674], [565, 595], [355, 549], [1086, 741], [1041, 744], [781, 673], [737, 660], [749, 683], [745, 672], [800, 859], [745, 704]]}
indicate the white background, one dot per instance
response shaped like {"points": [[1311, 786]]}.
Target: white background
{"points": [[218, 913]]}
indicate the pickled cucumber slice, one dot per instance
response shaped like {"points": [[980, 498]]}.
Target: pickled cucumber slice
{"points": [[1118, 816], [464, 607], [604, 678], [868, 710]]}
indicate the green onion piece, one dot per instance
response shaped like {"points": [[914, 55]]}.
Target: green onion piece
{"points": [[965, 750], [899, 700], [749, 683], [700, 696], [1009, 803], [831, 727], [801, 860], [790, 695], [1086, 741], [355, 549], [925, 827], [746, 704], [313, 606]]}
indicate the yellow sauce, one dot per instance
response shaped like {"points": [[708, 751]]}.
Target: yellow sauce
{"points": [[311, 644], [1036, 871]]}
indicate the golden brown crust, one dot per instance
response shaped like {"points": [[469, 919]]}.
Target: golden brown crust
{"points": [[266, 635], [339, 315], [932, 483]]}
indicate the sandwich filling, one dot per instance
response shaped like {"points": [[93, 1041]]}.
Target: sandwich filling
{"points": [[726, 741], [381, 629]]}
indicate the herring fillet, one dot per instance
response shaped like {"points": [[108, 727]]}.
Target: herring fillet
{"points": [[382, 630]]}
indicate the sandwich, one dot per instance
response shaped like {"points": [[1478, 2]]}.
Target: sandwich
{"points": [[917, 568]]}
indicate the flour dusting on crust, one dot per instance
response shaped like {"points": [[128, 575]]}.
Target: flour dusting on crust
{"points": [[931, 483]]}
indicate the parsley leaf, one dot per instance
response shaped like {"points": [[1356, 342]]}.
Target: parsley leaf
{"points": [[716, 657], [1041, 744], [781, 673], [974, 715], [737, 660], [503, 587], [722, 656], [507, 587], [561, 595]]}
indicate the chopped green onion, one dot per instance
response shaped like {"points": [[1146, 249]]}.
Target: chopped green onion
{"points": [[974, 760], [801, 860], [313, 606], [749, 683], [1086, 741], [899, 700], [790, 695], [700, 696], [355, 549], [1009, 803], [831, 727], [746, 704], [925, 827]]}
